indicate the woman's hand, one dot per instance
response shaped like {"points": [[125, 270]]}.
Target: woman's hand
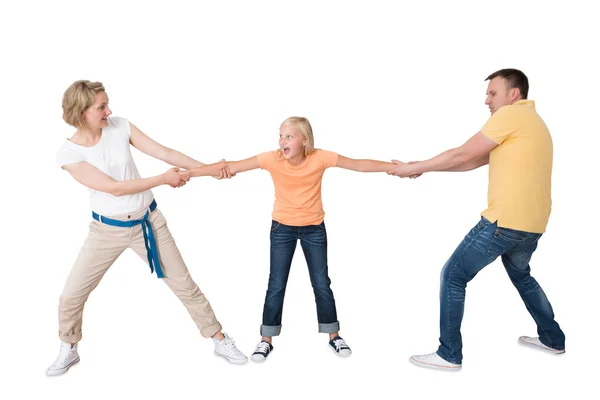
{"points": [[174, 178], [225, 172]]}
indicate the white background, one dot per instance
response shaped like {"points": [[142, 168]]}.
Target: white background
{"points": [[377, 80]]}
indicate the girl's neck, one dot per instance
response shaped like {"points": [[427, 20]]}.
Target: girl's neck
{"points": [[297, 160]]}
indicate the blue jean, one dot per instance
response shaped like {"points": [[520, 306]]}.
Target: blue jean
{"points": [[313, 239], [482, 245]]}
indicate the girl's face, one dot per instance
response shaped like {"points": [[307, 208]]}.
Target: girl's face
{"points": [[291, 143], [96, 117]]}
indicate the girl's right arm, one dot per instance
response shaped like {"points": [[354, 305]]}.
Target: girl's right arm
{"points": [[233, 167], [243, 165], [92, 177], [204, 170]]}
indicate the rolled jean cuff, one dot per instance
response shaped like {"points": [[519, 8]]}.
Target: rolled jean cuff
{"points": [[209, 331], [266, 330], [329, 328]]}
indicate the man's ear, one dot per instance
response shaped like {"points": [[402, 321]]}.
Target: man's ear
{"points": [[516, 94]]}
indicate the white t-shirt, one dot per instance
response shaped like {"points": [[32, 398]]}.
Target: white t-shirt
{"points": [[112, 156]]}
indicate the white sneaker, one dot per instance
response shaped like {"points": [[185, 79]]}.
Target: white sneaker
{"points": [[226, 349], [434, 361], [67, 357], [535, 341]]}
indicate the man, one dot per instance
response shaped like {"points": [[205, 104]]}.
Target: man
{"points": [[517, 145]]}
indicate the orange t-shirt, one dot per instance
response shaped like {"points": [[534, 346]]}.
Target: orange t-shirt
{"points": [[298, 187]]}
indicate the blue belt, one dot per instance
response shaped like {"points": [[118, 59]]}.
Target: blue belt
{"points": [[149, 240]]}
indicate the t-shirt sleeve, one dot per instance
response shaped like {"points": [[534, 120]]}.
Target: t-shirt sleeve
{"points": [[501, 125], [267, 160], [122, 125], [328, 158], [67, 156]]}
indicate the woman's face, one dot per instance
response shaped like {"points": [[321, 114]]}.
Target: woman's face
{"points": [[96, 117]]}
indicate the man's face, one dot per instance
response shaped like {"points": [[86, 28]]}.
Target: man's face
{"points": [[498, 94]]}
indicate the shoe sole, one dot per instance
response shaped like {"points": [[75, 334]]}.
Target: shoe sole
{"points": [[232, 360], [542, 347], [435, 366], [258, 358], [340, 354], [63, 370]]}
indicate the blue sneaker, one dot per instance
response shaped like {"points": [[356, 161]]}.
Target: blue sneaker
{"points": [[340, 347], [263, 349]]}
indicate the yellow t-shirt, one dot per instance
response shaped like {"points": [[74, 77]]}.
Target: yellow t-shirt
{"points": [[520, 168], [298, 187]]}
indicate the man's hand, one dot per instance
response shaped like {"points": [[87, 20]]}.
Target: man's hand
{"points": [[415, 176], [400, 170], [404, 170]]}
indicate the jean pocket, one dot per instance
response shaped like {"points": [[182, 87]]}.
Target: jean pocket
{"points": [[322, 225], [511, 235], [274, 225]]}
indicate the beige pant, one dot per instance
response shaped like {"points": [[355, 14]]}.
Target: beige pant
{"points": [[103, 246]]}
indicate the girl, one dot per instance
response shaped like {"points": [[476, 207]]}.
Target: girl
{"points": [[297, 169], [125, 216]]}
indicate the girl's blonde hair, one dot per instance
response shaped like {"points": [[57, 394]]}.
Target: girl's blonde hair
{"points": [[306, 130], [77, 98]]}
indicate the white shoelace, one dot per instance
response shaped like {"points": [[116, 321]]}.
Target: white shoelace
{"points": [[229, 346], [263, 347], [339, 344], [63, 356]]}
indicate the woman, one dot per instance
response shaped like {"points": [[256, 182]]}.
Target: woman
{"points": [[124, 216]]}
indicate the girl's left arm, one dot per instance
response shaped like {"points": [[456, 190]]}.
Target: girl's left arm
{"points": [[363, 165]]}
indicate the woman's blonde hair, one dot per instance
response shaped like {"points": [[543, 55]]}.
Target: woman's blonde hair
{"points": [[77, 98], [306, 130]]}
